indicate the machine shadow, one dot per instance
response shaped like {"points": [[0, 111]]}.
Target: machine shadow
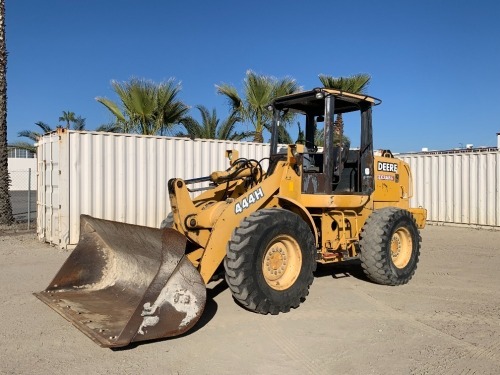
{"points": [[207, 315], [350, 268]]}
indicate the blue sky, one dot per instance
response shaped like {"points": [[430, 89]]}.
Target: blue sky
{"points": [[435, 64]]}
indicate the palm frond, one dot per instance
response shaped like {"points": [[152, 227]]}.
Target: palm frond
{"points": [[283, 134], [211, 126], [79, 123], [258, 92], [29, 134], [45, 127], [356, 84], [169, 109], [147, 107], [285, 86], [68, 117], [110, 128], [112, 107], [227, 128], [193, 127], [231, 94]]}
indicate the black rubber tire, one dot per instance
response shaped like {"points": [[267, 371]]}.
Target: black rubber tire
{"points": [[168, 222], [375, 246], [250, 243]]}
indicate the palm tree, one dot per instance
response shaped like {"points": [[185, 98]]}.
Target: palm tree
{"points": [[301, 137], [284, 136], [319, 136], [210, 126], [67, 117], [33, 136], [147, 108], [258, 92], [6, 216], [70, 118], [355, 84], [79, 123]]}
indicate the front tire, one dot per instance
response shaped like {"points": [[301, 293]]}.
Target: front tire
{"points": [[390, 246], [270, 261]]}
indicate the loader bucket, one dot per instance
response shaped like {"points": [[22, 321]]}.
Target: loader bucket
{"points": [[126, 283]]}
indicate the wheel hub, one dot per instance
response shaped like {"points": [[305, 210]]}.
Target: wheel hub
{"points": [[276, 261], [395, 246], [282, 262], [401, 247]]}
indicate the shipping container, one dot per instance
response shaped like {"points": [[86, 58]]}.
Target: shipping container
{"points": [[121, 177], [457, 187]]}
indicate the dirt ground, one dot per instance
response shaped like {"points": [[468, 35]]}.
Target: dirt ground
{"points": [[445, 321]]}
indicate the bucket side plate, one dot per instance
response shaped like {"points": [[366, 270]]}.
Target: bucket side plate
{"points": [[126, 283]]}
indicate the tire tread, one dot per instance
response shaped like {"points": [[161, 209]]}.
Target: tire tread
{"points": [[374, 237], [240, 256]]}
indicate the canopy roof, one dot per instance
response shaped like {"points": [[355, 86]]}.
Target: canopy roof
{"points": [[312, 101]]}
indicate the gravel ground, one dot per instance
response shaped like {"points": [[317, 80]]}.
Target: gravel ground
{"points": [[445, 321]]}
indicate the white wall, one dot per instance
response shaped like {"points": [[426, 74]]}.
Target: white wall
{"points": [[19, 173]]}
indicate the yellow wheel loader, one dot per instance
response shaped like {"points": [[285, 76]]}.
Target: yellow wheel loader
{"points": [[264, 224]]}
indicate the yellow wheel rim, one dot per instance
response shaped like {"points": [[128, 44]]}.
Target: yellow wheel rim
{"points": [[401, 247], [282, 262]]}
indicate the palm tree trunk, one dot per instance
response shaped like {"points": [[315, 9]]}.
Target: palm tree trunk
{"points": [[258, 137], [338, 130], [259, 129], [6, 216]]}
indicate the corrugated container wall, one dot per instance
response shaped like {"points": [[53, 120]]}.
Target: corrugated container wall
{"points": [[461, 188], [121, 177]]}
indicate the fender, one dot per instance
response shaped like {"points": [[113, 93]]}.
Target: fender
{"points": [[233, 213], [287, 203]]}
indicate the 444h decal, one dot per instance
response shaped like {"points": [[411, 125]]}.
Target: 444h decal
{"points": [[247, 201]]}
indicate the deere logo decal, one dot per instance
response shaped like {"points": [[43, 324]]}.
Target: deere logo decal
{"points": [[387, 167], [247, 201]]}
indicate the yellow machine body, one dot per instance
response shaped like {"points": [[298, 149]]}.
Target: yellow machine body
{"points": [[336, 220]]}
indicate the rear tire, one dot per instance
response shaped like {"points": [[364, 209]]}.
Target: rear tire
{"points": [[390, 246], [270, 261]]}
